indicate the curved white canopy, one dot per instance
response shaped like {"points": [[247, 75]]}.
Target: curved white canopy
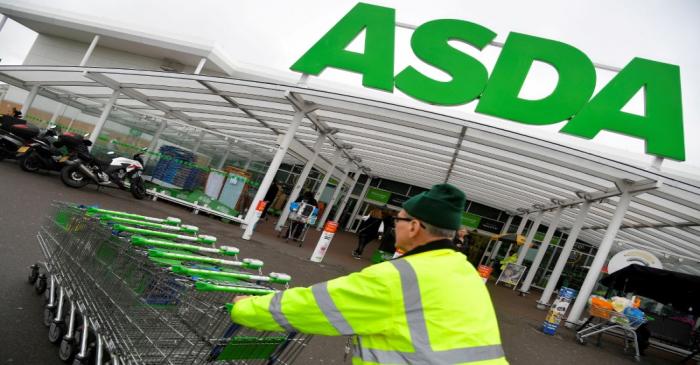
{"points": [[495, 167]]}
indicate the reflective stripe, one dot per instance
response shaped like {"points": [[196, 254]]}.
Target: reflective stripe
{"points": [[454, 356], [423, 352], [329, 309], [413, 305], [276, 311]]}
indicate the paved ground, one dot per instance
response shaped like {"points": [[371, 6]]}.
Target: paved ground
{"points": [[25, 198]]}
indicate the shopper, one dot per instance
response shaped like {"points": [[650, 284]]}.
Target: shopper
{"points": [[428, 307], [270, 198], [462, 240], [368, 231], [387, 235], [296, 228]]}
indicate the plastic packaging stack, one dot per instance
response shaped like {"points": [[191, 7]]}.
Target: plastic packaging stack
{"points": [[617, 309], [173, 169]]}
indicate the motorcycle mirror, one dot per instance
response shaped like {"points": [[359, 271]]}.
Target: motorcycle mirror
{"points": [[86, 135]]}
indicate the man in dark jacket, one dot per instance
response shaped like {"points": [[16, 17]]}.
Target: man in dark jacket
{"points": [[368, 231]]}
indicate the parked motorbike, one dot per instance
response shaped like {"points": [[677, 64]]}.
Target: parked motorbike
{"points": [[46, 154], [119, 172], [15, 132]]}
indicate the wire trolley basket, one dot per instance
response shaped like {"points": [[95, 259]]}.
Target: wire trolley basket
{"points": [[133, 299], [613, 321]]}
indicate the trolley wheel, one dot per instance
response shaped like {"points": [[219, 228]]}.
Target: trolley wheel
{"points": [[580, 340], [49, 315], [66, 350], [40, 284], [77, 361], [56, 331], [33, 274]]}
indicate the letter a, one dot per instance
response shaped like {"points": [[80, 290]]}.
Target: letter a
{"points": [[376, 64]]}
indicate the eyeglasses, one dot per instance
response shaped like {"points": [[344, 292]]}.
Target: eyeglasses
{"points": [[407, 219]]}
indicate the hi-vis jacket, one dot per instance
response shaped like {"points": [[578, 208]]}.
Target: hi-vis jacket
{"points": [[426, 308]]}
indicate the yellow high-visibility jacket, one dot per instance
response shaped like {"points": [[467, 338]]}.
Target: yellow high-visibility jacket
{"points": [[424, 308]]}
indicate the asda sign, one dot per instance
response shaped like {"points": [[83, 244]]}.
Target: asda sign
{"points": [[572, 99]]}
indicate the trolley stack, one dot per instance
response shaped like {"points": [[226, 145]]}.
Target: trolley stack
{"points": [[127, 289]]}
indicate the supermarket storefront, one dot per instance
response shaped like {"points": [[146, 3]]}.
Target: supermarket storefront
{"points": [[592, 198]]}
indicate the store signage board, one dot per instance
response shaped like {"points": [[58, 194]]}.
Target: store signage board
{"points": [[572, 100], [470, 220], [378, 196]]}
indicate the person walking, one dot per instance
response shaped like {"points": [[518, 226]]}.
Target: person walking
{"points": [[368, 231], [427, 307]]}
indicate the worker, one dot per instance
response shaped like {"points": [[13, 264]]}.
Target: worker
{"points": [[427, 307], [509, 260]]}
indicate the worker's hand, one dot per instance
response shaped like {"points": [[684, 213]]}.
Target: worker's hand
{"points": [[238, 298]]}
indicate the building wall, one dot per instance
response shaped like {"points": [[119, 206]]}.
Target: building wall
{"points": [[53, 51]]}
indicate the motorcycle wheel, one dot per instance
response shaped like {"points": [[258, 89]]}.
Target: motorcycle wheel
{"points": [[30, 163], [138, 188], [72, 177]]}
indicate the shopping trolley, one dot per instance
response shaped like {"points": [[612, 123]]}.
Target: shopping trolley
{"points": [[301, 217], [613, 321], [129, 300]]}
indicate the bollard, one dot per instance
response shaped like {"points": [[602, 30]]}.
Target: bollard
{"points": [[326, 236]]}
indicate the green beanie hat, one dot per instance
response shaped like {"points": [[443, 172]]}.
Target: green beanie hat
{"points": [[441, 206]]}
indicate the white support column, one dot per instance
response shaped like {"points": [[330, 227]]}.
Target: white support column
{"points": [[327, 176], [329, 206], [224, 158], [497, 246], [2, 22], [247, 163], [564, 255], [271, 172], [200, 66], [60, 110], [29, 100], [154, 141], [87, 55], [600, 258], [359, 203], [103, 117], [530, 237], [525, 287], [199, 141], [300, 181], [339, 211]]}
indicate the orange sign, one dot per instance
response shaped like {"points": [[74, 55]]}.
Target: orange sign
{"points": [[261, 206], [330, 227], [485, 271]]}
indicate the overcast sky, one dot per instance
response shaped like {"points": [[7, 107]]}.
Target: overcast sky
{"points": [[274, 34]]}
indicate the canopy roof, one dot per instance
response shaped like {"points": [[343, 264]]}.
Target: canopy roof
{"points": [[495, 167]]}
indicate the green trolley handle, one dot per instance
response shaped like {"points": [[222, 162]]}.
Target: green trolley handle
{"points": [[166, 227], [170, 220], [206, 239], [246, 263], [143, 241], [211, 274], [204, 286]]}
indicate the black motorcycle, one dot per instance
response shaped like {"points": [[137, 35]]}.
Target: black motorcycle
{"points": [[15, 132], [119, 172], [47, 154]]}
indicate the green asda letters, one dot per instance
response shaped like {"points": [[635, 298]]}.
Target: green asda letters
{"points": [[661, 126]]}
